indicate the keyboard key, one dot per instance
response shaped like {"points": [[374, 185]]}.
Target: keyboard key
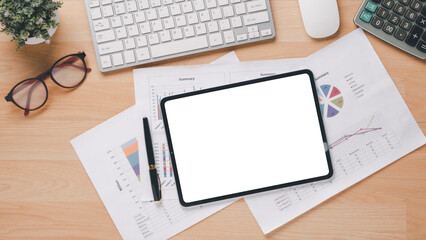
{"points": [[95, 13], [253, 35], [256, 18], [416, 6], [151, 14], [165, 36], [105, 36], [224, 24], [192, 18], [180, 21], [201, 29], [394, 19], [388, 28], [143, 4], [377, 22], [216, 13], [111, 47], [240, 9], [371, 7], [187, 7], [266, 32], [177, 34], [387, 4], [163, 12], [228, 11], [117, 59], [142, 54], [204, 16], [400, 35], [405, 2], [383, 13], [142, 42], [106, 62], [253, 29], [116, 22], [211, 3], [140, 17], [399, 9], [128, 19], [180, 46], [107, 10], [101, 24], [229, 36], [212, 26], [105, 2], [93, 3], [255, 6], [421, 20], [155, 3], [410, 15], [422, 46], [129, 57], [156, 25], [189, 31], [175, 9], [131, 6], [223, 2], [145, 27], [215, 39], [121, 32], [199, 5], [414, 35], [169, 23], [241, 37], [365, 16], [129, 43], [236, 22], [133, 30], [153, 39], [406, 25], [119, 8]]}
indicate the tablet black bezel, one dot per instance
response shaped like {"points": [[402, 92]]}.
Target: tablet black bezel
{"points": [[239, 84]]}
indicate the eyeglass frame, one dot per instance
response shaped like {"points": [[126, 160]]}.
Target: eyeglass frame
{"points": [[42, 77]]}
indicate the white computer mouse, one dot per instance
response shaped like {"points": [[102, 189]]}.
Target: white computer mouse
{"points": [[320, 17]]}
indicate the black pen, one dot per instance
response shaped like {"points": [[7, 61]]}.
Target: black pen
{"points": [[155, 179]]}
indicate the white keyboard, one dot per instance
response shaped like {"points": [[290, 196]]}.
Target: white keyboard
{"points": [[132, 32]]}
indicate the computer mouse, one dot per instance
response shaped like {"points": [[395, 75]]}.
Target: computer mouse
{"points": [[320, 17]]}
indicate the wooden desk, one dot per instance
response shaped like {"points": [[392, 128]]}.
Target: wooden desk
{"points": [[46, 194]]}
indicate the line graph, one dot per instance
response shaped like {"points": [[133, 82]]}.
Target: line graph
{"points": [[361, 131]]}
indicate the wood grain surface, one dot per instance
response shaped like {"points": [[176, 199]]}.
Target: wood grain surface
{"points": [[46, 194]]}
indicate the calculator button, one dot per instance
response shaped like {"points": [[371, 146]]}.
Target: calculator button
{"points": [[400, 35], [410, 15], [414, 35], [416, 6], [424, 10], [377, 22], [394, 19], [399, 9], [371, 7], [387, 4], [405, 2], [422, 46], [366, 16], [421, 21], [406, 25], [424, 36], [383, 13], [377, 1], [388, 28]]}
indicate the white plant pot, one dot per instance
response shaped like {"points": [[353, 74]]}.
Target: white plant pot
{"points": [[34, 40]]}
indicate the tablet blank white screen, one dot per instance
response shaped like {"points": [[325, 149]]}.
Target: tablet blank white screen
{"points": [[246, 138]]}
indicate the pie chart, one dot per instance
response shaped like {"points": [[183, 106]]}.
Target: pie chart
{"points": [[330, 99]]}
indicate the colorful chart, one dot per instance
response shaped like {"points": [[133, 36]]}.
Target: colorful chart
{"points": [[331, 100], [130, 149]]}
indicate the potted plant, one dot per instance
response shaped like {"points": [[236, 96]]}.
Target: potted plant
{"points": [[29, 21]]}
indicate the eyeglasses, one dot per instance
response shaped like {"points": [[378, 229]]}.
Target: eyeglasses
{"points": [[31, 94]]}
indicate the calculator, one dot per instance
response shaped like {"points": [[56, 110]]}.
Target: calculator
{"points": [[401, 23]]}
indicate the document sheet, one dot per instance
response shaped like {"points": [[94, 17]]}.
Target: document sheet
{"points": [[111, 156]]}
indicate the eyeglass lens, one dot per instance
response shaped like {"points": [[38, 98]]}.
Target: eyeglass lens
{"points": [[30, 94], [69, 72]]}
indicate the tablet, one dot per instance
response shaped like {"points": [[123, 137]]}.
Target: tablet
{"points": [[246, 138]]}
